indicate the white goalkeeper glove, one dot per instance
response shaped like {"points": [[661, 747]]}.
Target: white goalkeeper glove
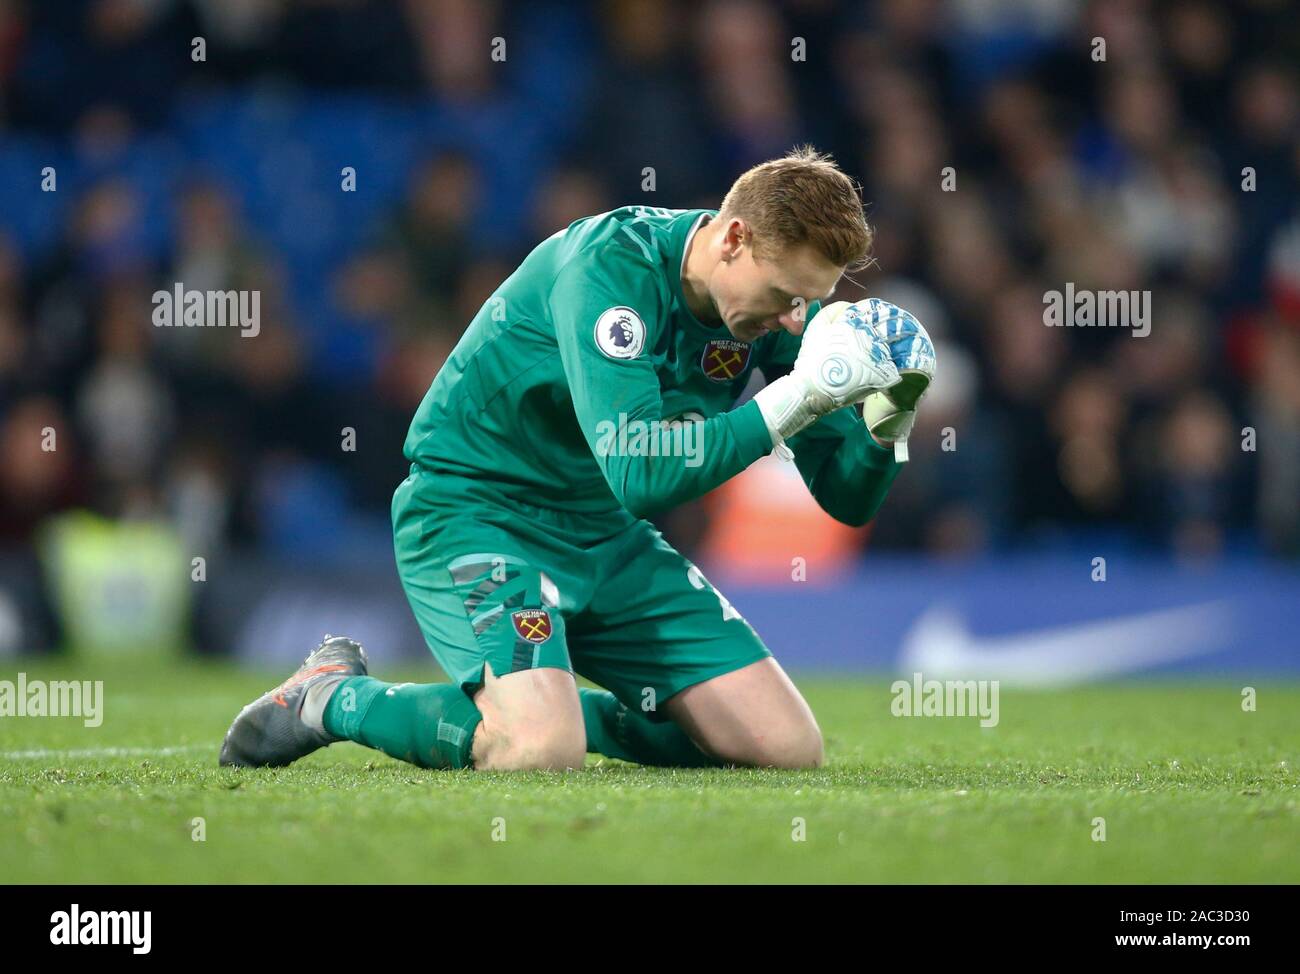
{"points": [[890, 413], [840, 361]]}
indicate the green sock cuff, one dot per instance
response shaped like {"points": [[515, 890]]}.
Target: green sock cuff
{"points": [[599, 716], [457, 721], [428, 724], [348, 705]]}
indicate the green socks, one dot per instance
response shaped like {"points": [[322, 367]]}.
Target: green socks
{"points": [[619, 732], [432, 725], [428, 724]]}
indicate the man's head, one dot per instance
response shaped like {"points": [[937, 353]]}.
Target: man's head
{"points": [[787, 230]]}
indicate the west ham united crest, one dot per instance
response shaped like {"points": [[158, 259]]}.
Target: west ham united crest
{"points": [[724, 359], [533, 625]]}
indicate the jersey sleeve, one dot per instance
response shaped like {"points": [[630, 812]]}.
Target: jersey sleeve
{"points": [[608, 315], [847, 472]]}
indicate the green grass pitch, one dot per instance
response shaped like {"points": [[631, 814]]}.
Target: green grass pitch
{"points": [[1191, 788]]}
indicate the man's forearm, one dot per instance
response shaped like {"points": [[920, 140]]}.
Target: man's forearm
{"points": [[703, 455], [852, 479]]}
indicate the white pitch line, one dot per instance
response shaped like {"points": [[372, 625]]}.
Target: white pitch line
{"points": [[102, 752]]}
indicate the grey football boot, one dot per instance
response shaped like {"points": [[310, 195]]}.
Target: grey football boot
{"points": [[276, 729]]}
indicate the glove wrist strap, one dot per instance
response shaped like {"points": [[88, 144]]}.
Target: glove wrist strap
{"points": [[789, 405]]}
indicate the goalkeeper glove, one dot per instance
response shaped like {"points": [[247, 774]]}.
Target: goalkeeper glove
{"points": [[890, 413], [841, 359]]}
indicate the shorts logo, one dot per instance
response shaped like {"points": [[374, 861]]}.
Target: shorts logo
{"points": [[724, 359], [532, 625], [620, 333]]}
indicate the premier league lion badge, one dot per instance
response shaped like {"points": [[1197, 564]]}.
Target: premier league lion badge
{"points": [[532, 625], [620, 333], [724, 359]]}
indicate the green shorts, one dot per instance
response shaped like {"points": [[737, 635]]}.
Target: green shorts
{"points": [[522, 587]]}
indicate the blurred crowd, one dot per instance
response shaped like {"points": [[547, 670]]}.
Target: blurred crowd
{"points": [[1001, 158]]}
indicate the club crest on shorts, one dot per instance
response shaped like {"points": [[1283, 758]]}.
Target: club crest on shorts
{"points": [[724, 359], [532, 625], [620, 333]]}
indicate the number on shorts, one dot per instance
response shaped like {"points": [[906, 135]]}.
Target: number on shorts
{"points": [[697, 580]]}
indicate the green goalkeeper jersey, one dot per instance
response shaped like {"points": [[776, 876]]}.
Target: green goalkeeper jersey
{"points": [[560, 392]]}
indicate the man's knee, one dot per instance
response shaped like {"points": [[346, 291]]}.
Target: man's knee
{"points": [[793, 748], [546, 748], [802, 749], [753, 716], [532, 720]]}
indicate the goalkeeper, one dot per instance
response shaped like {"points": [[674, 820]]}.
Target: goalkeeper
{"points": [[556, 426]]}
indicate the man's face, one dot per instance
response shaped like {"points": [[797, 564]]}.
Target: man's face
{"points": [[757, 295]]}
